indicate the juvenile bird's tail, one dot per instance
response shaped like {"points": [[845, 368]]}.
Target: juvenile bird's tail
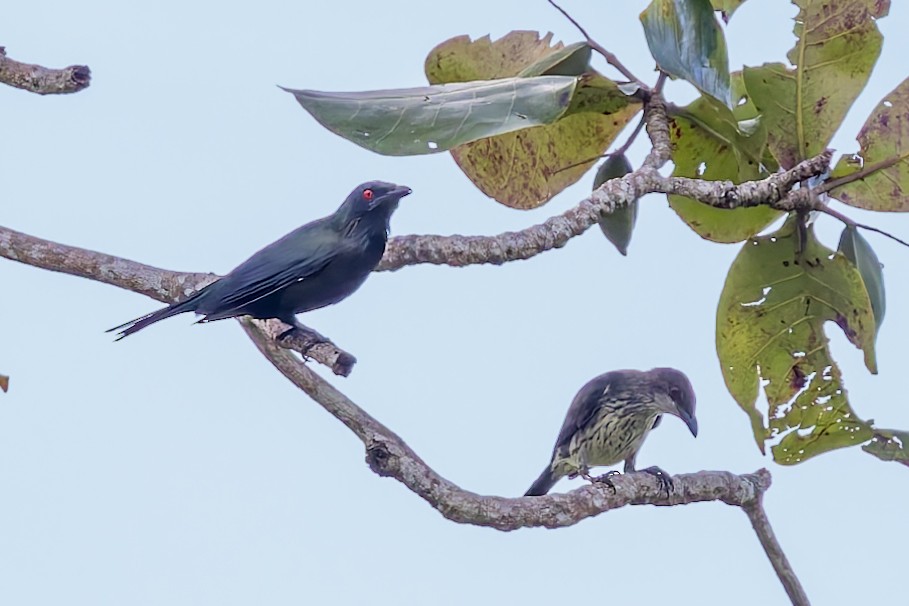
{"points": [[138, 324], [543, 484]]}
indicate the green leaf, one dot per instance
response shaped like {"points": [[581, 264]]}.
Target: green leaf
{"points": [[618, 225], [837, 47], [889, 445], [877, 178], [726, 7], [572, 60], [858, 250], [431, 119], [778, 295], [526, 168], [687, 42], [708, 143]]}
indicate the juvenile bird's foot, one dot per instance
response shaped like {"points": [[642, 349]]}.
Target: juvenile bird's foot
{"points": [[662, 477], [603, 479]]}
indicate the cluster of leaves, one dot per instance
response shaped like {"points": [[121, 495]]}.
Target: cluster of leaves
{"points": [[524, 118]]}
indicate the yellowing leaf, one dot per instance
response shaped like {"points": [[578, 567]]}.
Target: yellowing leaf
{"points": [[526, 168], [838, 45], [778, 296], [883, 162]]}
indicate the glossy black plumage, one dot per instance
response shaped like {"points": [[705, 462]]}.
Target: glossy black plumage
{"points": [[315, 265], [609, 419]]}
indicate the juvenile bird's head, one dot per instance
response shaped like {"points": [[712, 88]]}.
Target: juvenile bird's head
{"points": [[678, 394], [373, 201]]}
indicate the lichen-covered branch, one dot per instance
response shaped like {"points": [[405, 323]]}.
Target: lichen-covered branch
{"points": [[160, 284], [457, 251], [388, 455], [42, 80]]}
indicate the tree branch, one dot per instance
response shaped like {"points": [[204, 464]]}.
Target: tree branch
{"points": [[388, 455], [41, 80], [755, 512], [160, 284], [555, 232]]}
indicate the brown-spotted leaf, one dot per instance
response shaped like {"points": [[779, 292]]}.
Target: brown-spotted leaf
{"points": [[526, 168], [837, 45], [778, 296], [877, 177]]}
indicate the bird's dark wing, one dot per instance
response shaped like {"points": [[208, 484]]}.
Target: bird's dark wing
{"points": [[585, 405], [293, 258]]}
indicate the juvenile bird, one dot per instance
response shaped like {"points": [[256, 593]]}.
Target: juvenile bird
{"points": [[313, 266], [609, 419]]}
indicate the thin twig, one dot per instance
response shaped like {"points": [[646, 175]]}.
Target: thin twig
{"points": [[846, 220], [858, 175], [764, 531], [661, 81], [610, 58], [616, 152]]}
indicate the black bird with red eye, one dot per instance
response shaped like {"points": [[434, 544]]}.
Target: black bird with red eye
{"points": [[316, 265]]}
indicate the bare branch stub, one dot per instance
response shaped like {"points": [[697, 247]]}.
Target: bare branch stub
{"points": [[310, 344], [43, 80]]}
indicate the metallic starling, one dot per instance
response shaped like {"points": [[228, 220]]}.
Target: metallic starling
{"points": [[609, 419], [313, 266]]}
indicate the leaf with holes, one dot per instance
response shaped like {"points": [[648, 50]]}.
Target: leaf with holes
{"points": [[858, 250], [618, 225], [877, 178], [431, 119], [778, 295], [889, 445], [837, 47], [687, 42], [526, 168], [710, 142]]}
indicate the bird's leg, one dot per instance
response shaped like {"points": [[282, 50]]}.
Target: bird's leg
{"points": [[602, 479], [662, 477], [310, 337]]}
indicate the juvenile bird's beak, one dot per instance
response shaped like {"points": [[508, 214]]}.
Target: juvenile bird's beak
{"points": [[692, 424]]}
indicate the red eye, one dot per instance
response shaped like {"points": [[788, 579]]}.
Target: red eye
{"points": [[367, 194]]}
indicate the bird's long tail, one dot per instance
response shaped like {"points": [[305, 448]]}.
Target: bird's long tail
{"points": [[543, 484], [128, 328]]}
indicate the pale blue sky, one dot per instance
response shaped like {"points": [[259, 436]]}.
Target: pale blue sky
{"points": [[178, 467]]}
